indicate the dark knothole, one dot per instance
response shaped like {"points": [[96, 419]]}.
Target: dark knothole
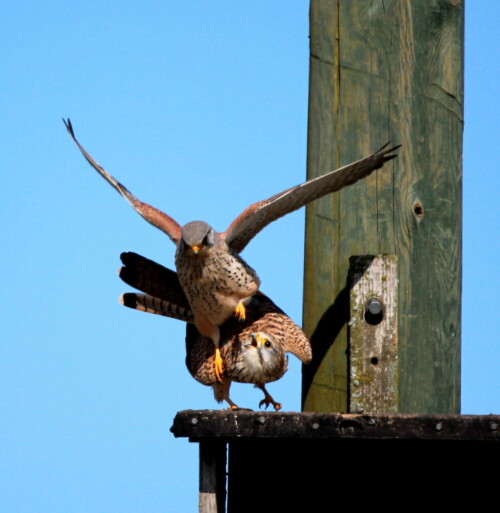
{"points": [[418, 210]]}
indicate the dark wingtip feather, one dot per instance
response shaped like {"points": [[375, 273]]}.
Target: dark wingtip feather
{"points": [[69, 126], [385, 153], [384, 146], [383, 150], [394, 148]]}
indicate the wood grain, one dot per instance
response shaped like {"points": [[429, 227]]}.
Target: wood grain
{"points": [[373, 338], [380, 71]]}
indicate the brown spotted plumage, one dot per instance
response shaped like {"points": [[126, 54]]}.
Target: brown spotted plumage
{"points": [[253, 350], [217, 282]]}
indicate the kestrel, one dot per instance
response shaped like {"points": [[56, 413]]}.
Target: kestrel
{"points": [[217, 282], [253, 350]]}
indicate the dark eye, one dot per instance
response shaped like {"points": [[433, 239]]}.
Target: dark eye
{"points": [[267, 343]]}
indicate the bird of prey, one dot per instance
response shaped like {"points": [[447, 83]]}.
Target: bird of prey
{"points": [[253, 350], [217, 282]]}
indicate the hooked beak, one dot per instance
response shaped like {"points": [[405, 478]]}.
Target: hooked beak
{"points": [[256, 339], [195, 249]]}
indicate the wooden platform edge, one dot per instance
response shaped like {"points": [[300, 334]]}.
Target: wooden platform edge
{"points": [[216, 424]]}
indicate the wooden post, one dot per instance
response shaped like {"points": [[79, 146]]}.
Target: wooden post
{"points": [[212, 476], [381, 71]]}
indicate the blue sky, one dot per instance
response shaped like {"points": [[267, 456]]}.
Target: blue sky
{"points": [[173, 99]]}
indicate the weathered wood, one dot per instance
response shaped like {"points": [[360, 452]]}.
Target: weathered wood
{"points": [[225, 425], [212, 476], [373, 336], [274, 458], [380, 71]]}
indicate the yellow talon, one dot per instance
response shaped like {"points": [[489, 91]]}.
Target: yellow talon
{"points": [[237, 408], [218, 364], [240, 312]]}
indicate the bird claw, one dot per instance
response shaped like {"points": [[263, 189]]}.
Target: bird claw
{"points": [[240, 312], [269, 400], [218, 366], [233, 407]]}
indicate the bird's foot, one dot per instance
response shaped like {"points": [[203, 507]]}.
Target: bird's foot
{"points": [[233, 407], [269, 400], [240, 312], [218, 365]]}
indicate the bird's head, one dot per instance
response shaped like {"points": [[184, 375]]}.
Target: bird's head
{"points": [[261, 345], [263, 358], [197, 238]]}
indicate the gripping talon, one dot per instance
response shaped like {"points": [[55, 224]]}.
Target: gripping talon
{"points": [[218, 365], [268, 399], [234, 407], [237, 408], [240, 312]]}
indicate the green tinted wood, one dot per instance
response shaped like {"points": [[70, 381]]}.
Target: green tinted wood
{"points": [[380, 71]]}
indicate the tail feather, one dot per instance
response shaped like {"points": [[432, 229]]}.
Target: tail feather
{"points": [[154, 305], [152, 279]]}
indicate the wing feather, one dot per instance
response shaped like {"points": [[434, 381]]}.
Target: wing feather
{"points": [[151, 214], [258, 215]]}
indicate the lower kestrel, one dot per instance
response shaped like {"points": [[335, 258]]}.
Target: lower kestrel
{"points": [[217, 282], [253, 350]]}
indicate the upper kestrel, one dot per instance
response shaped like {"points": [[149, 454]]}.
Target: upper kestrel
{"points": [[253, 350], [216, 280]]}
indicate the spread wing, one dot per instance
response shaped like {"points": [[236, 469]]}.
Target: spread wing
{"points": [[258, 215], [151, 214]]}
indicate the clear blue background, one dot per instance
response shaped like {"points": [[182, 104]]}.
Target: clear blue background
{"points": [[173, 98]]}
